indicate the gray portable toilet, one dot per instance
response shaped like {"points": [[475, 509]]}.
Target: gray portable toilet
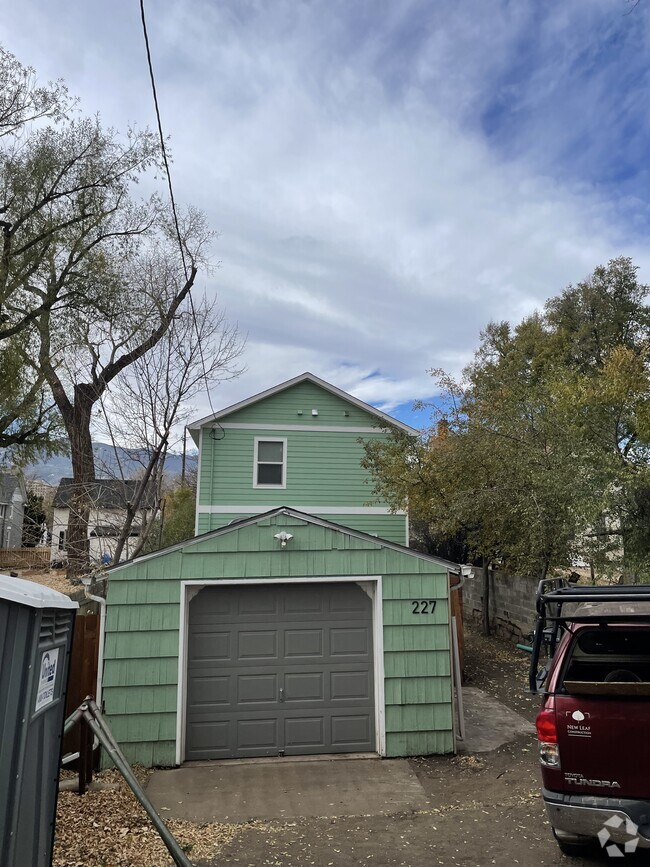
{"points": [[36, 627]]}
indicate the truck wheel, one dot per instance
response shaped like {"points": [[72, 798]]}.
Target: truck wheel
{"points": [[575, 850]]}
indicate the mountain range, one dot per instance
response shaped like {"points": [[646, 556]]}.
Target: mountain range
{"points": [[108, 461]]}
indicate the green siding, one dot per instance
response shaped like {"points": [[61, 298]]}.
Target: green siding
{"points": [[285, 406], [323, 469], [141, 658]]}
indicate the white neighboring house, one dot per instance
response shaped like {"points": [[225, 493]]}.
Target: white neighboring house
{"points": [[13, 497], [109, 498]]}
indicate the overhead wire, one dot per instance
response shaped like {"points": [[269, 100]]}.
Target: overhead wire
{"points": [[163, 150]]}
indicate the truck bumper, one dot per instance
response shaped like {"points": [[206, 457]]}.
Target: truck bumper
{"points": [[578, 818]]}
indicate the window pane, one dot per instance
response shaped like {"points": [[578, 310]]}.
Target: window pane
{"points": [[269, 474], [269, 452]]}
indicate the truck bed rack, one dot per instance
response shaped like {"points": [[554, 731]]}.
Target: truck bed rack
{"points": [[554, 593]]}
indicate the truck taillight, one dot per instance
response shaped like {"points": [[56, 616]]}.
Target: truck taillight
{"points": [[549, 751], [546, 726]]}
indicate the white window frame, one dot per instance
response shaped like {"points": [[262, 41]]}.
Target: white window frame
{"points": [[259, 440]]}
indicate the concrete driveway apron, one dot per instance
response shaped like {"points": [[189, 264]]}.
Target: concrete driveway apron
{"points": [[240, 790]]}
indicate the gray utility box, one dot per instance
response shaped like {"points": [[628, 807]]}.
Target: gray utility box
{"points": [[36, 626]]}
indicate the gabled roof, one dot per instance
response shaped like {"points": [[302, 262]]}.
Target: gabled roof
{"points": [[302, 516], [105, 494], [8, 484], [304, 377]]}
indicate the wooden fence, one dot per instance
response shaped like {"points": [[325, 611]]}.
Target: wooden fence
{"points": [[83, 671], [25, 558]]}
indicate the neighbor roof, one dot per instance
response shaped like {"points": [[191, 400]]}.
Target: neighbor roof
{"points": [[303, 516], [8, 484], [104, 494], [304, 377]]}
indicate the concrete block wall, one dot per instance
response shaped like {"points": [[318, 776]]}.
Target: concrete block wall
{"points": [[512, 603]]}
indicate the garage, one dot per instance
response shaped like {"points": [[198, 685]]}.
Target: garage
{"points": [[282, 634], [280, 670]]}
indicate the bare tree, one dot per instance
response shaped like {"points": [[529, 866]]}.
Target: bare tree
{"points": [[148, 404]]}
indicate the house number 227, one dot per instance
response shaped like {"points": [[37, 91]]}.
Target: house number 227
{"points": [[423, 606]]}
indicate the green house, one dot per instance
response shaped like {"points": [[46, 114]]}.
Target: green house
{"points": [[281, 634], [297, 444], [294, 622]]}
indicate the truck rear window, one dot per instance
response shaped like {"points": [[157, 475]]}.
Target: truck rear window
{"points": [[608, 660]]}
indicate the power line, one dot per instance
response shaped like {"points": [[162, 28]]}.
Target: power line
{"points": [[162, 137], [173, 201]]}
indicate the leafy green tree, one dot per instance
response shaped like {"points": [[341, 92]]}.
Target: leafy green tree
{"points": [[540, 454]]}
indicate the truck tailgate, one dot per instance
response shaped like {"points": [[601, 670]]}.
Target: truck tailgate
{"points": [[604, 743]]}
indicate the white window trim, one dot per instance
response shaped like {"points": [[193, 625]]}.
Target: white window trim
{"points": [[259, 440], [189, 589]]}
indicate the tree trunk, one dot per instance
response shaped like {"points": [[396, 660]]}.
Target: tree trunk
{"points": [[486, 596], [77, 422]]}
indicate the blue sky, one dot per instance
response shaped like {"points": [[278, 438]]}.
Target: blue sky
{"points": [[386, 177]]}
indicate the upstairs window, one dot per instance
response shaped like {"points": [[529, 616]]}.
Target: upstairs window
{"points": [[270, 463]]}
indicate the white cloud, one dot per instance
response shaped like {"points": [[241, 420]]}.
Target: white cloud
{"points": [[369, 223]]}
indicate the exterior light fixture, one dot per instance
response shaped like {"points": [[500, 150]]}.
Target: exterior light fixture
{"points": [[283, 538]]}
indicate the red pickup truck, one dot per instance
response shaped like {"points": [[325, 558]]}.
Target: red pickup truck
{"points": [[594, 724]]}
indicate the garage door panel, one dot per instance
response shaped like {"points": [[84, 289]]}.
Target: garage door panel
{"points": [[303, 642], [209, 692], [349, 605], [351, 685], [258, 644], [254, 734], [305, 686], [353, 731], [304, 732], [206, 646], [297, 681], [264, 602], [210, 736], [350, 641], [305, 600], [256, 688]]}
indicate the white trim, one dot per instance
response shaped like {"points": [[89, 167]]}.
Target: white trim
{"points": [[303, 377], [181, 691], [321, 510], [407, 544], [378, 645], [232, 425], [256, 461], [198, 485]]}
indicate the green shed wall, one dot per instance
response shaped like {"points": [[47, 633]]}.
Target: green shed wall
{"points": [[142, 630]]}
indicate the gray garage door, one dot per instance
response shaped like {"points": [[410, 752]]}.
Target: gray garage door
{"points": [[280, 669]]}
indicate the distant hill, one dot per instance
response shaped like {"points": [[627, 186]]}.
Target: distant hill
{"points": [[107, 463]]}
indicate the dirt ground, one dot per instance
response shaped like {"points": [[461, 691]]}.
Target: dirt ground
{"points": [[484, 809]]}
